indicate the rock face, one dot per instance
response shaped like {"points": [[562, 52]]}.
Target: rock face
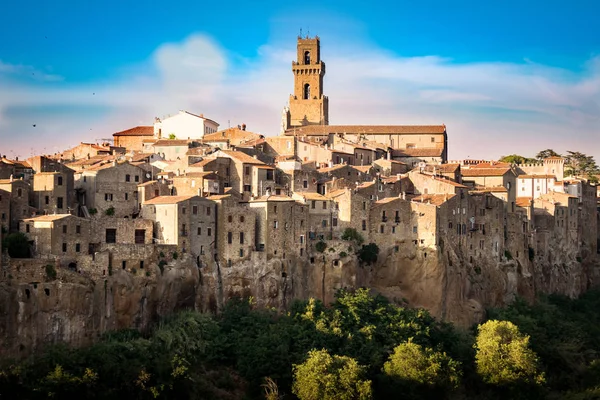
{"points": [[77, 309]]}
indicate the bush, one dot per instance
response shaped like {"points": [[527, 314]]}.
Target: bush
{"points": [[508, 255], [175, 255], [368, 253], [50, 272], [110, 211], [161, 266], [147, 273], [17, 245], [93, 211], [161, 254], [133, 271], [343, 254], [353, 234], [320, 246]]}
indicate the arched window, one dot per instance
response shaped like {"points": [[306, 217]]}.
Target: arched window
{"points": [[307, 57], [306, 91]]}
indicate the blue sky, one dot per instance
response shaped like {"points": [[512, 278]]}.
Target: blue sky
{"points": [[515, 77]]}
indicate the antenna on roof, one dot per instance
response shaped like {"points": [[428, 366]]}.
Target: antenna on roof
{"points": [[300, 32]]}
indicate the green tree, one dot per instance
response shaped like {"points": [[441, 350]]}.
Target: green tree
{"points": [[326, 377], [581, 165], [17, 245], [503, 355], [172, 136], [546, 153], [352, 234], [412, 364], [368, 253], [517, 159]]}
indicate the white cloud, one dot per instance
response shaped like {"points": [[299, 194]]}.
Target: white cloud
{"points": [[490, 109]]}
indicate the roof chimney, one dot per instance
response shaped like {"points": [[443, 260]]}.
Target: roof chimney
{"points": [[243, 127]]}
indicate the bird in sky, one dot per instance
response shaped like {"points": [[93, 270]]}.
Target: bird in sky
{"points": [[34, 125]]}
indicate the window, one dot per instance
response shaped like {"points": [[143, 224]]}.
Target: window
{"points": [[183, 210], [108, 197], [324, 205], [229, 237], [275, 224], [47, 199], [59, 203], [136, 178], [140, 236], [313, 204], [241, 237], [432, 140], [241, 252], [301, 223], [247, 188], [141, 264], [324, 223], [393, 229], [247, 169], [229, 218], [207, 210], [26, 226], [301, 239], [111, 236], [126, 196], [382, 229], [19, 192], [64, 229], [269, 174], [208, 232], [306, 92], [227, 171], [127, 178], [364, 205], [64, 247], [305, 184], [85, 178], [364, 225], [307, 57], [124, 264], [156, 193], [195, 210], [199, 231], [242, 219], [334, 222], [275, 209], [414, 229], [77, 247]]}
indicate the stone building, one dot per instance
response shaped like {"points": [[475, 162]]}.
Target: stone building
{"points": [[111, 187], [236, 231], [63, 235], [132, 139], [323, 218], [4, 210], [51, 193], [20, 193]]}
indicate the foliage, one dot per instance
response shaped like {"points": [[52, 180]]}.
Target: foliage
{"points": [[581, 165], [343, 254], [17, 245], [172, 136], [416, 368], [503, 355], [175, 255], [326, 377], [508, 255], [546, 153], [161, 266], [352, 234], [320, 246], [368, 253], [50, 272], [93, 211], [517, 159], [110, 211]]}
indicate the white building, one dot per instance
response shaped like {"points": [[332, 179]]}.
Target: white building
{"points": [[534, 186], [184, 125]]}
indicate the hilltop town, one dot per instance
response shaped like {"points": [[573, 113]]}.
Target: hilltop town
{"points": [[184, 213]]}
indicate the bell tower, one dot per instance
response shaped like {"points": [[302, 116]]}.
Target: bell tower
{"points": [[308, 106]]}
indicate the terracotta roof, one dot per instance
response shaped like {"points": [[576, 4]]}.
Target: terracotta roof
{"points": [[272, 198], [375, 145], [523, 201], [333, 168], [443, 168], [474, 172], [203, 162], [449, 182], [140, 156], [435, 199], [336, 193], [47, 218], [168, 199], [362, 168], [8, 181], [494, 189], [320, 130], [147, 183], [554, 158], [241, 157], [286, 158], [386, 200], [491, 164], [170, 142], [536, 176], [199, 116], [218, 196], [264, 167], [311, 195], [137, 131], [91, 161], [417, 152], [385, 160], [364, 185]]}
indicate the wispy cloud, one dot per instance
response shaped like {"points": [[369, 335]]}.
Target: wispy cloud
{"points": [[27, 71], [490, 109]]}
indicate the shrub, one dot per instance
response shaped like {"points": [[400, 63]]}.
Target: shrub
{"points": [[352, 234], [93, 211], [343, 254], [331, 250], [110, 211], [320, 246], [147, 273], [161, 254], [161, 266], [175, 255], [133, 271], [50, 272], [508, 255], [17, 245], [368, 253]]}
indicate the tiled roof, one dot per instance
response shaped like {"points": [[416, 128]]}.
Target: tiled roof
{"points": [[272, 198], [491, 164], [494, 189], [137, 131], [523, 201], [199, 116], [311, 196], [443, 168], [320, 130], [168, 200], [203, 162], [533, 176], [449, 182], [333, 168], [242, 157], [386, 200], [362, 168], [435, 199], [336, 193], [475, 172], [170, 142], [417, 152], [47, 218]]}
